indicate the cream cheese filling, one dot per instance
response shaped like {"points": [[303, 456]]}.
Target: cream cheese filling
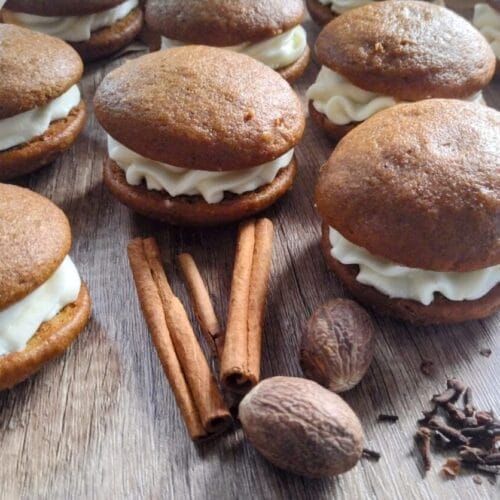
{"points": [[343, 102], [487, 20], [24, 127], [178, 181], [20, 321], [74, 28], [397, 281], [277, 52]]}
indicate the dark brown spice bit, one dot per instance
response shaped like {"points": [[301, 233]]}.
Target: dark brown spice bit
{"points": [[423, 439], [484, 417], [383, 417], [475, 431], [455, 413], [427, 367], [473, 455], [468, 406], [444, 397], [486, 352], [470, 422], [371, 454], [451, 468], [428, 414], [493, 459], [457, 385], [441, 440], [477, 479], [455, 435]]}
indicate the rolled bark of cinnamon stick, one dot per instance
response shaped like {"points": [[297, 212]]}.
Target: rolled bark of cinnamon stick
{"points": [[202, 304], [240, 367], [183, 361]]}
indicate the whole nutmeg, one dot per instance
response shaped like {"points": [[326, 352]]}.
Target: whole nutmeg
{"points": [[302, 427], [338, 345]]}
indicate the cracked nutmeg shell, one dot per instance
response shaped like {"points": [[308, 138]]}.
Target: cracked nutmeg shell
{"points": [[338, 345], [302, 427]]}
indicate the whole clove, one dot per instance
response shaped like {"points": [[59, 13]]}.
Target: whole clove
{"points": [[423, 439], [455, 413], [484, 417], [473, 433], [457, 385], [492, 459], [468, 406], [438, 423], [445, 397], [383, 417], [473, 455]]}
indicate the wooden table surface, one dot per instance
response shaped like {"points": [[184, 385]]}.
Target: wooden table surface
{"points": [[101, 421]]}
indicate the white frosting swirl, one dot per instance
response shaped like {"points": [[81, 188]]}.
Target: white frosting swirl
{"points": [[20, 321], [24, 127], [178, 181], [277, 52], [402, 282], [341, 6], [487, 20], [74, 28], [343, 102]]}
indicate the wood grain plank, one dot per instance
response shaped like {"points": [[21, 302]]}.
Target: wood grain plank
{"points": [[101, 422]]}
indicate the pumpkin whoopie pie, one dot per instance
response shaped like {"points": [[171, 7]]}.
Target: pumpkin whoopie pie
{"points": [[95, 28], [394, 51], [198, 135], [487, 20], [267, 30], [41, 109], [410, 202], [43, 303]]}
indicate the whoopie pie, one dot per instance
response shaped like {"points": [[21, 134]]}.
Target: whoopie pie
{"points": [[41, 109], [267, 30], [410, 202], [198, 135], [394, 51], [43, 303], [487, 20], [95, 28]]}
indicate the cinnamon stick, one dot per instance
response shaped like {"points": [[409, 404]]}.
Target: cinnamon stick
{"points": [[184, 364], [240, 367], [202, 304]]}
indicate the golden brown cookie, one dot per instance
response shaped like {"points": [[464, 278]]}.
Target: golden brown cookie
{"points": [[193, 210], [440, 310], [202, 108], [321, 14], [107, 41], [221, 23], [44, 149], [34, 68], [409, 50], [419, 185], [34, 239], [51, 340], [61, 7]]}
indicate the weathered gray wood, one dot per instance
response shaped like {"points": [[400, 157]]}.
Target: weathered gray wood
{"points": [[101, 422]]}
